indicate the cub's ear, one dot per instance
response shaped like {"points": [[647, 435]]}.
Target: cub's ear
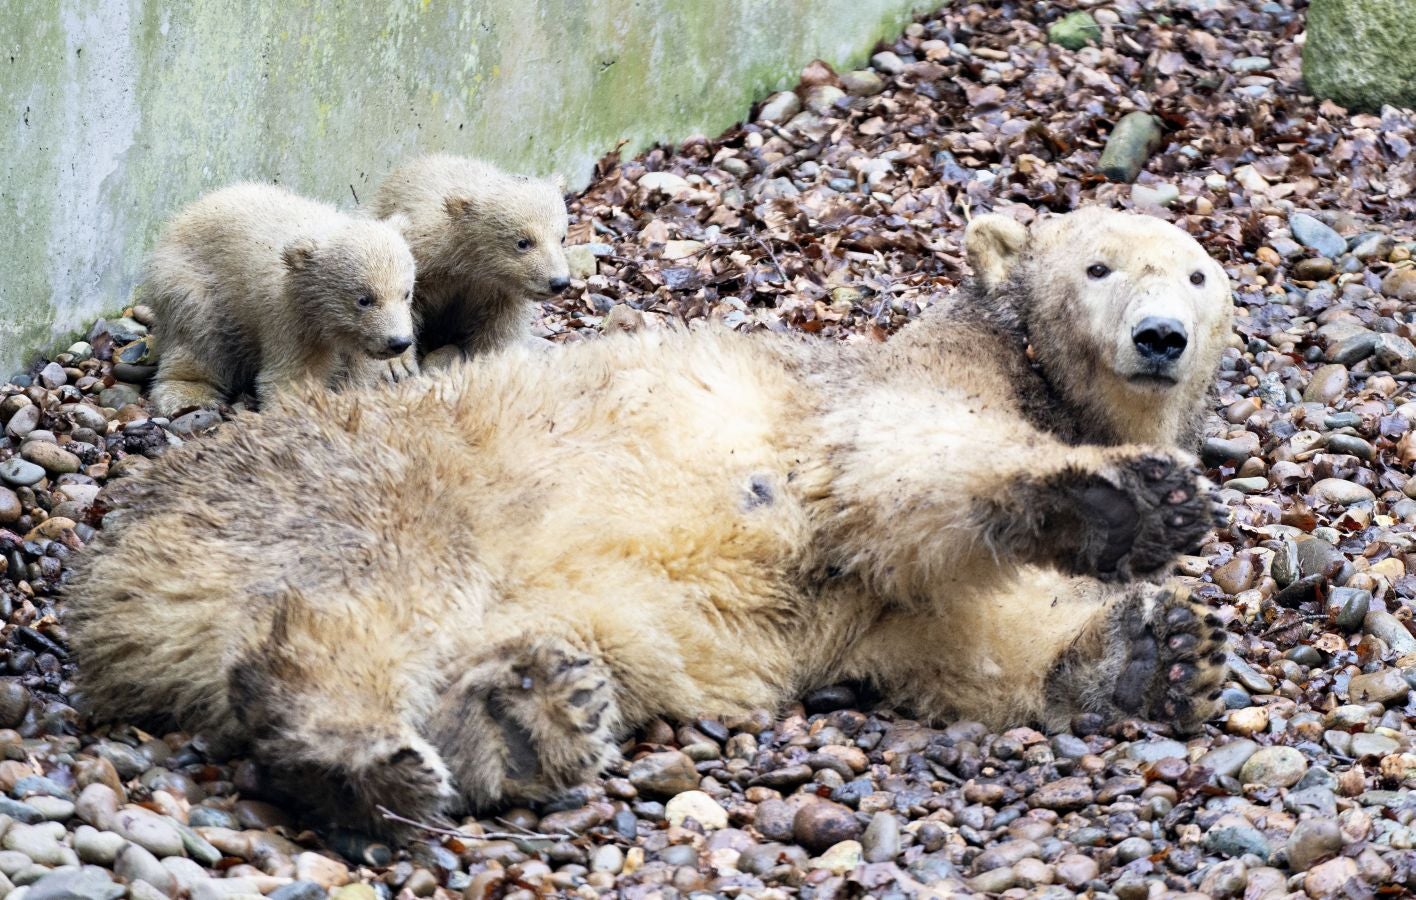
{"points": [[458, 207], [298, 253], [400, 223], [993, 244]]}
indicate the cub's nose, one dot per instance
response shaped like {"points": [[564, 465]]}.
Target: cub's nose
{"points": [[1160, 340], [399, 344], [559, 285]]}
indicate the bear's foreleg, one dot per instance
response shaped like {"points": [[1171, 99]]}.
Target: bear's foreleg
{"points": [[337, 724], [1114, 514], [183, 382]]}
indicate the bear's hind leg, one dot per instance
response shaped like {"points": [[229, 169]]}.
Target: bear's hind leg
{"points": [[530, 720], [1153, 654]]}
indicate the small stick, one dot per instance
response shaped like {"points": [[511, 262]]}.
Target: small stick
{"points": [[461, 835]]}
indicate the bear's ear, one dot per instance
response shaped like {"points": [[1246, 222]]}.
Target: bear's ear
{"points": [[298, 253], [993, 244], [400, 223], [458, 207]]}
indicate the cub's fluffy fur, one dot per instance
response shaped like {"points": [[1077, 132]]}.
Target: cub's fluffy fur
{"points": [[488, 244], [253, 285], [464, 590]]}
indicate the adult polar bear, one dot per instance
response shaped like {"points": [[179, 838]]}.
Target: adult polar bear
{"points": [[462, 590]]}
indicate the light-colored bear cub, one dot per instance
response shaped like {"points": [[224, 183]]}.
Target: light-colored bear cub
{"points": [[488, 244], [255, 286]]}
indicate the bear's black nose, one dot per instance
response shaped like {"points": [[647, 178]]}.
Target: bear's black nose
{"points": [[399, 344], [559, 285], [1160, 340]]}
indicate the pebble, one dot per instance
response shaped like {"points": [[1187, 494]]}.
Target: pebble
{"points": [[1312, 233], [698, 806], [320, 870], [824, 823], [1381, 686], [1073, 792], [97, 847], [663, 182], [664, 774], [1390, 629], [1339, 492], [1353, 605], [1274, 767], [148, 830], [888, 62], [1228, 759], [1327, 384], [20, 472], [134, 863], [1231, 836], [839, 858], [1311, 842], [1366, 745], [778, 108], [51, 457], [1327, 879], [85, 883], [881, 841]]}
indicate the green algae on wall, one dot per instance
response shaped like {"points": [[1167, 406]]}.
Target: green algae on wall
{"points": [[123, 110]]}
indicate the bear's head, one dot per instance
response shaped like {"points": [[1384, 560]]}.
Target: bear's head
{"points": [[516, 228], [1126, 314], [356, 281]]}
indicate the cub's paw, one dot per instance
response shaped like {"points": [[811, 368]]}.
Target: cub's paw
{"points": [[401, 368], [542, 719], [1169, 654], [1149, 509]]}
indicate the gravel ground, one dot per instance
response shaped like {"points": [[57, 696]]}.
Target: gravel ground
{"points": [[837, 211]]}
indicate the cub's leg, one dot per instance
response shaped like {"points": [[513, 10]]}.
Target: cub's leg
{"points": [[360, 370], [183, 381], [530, 719], [1152, 653], [331, 704]]}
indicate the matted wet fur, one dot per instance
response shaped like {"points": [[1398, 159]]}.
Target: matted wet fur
{"points": [[461, 591]]}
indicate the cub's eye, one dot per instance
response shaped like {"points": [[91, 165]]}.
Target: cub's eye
{"points": [[562, 239], [523, 245], [366, 300], [1197, 278], [1096, 271]]}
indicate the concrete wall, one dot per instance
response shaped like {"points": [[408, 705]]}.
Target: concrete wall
{"points": [[123, 110]]}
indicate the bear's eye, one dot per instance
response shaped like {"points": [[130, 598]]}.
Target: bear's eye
{"points": [[1096, 271], [366, 300], [523, 245], [1197, 278]]}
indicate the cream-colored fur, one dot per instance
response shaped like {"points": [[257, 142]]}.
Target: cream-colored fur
{"points": [[254, 286], [488, 244], [496, 570], [1079, 329]]}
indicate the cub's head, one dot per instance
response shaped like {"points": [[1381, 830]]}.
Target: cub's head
{"points": [[358, 281], [1122, 310], [515, 227]]}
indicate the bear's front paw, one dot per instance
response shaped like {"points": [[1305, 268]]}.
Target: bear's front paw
{"points": [[531, 721], [1171, 660], [1150, 509]]}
